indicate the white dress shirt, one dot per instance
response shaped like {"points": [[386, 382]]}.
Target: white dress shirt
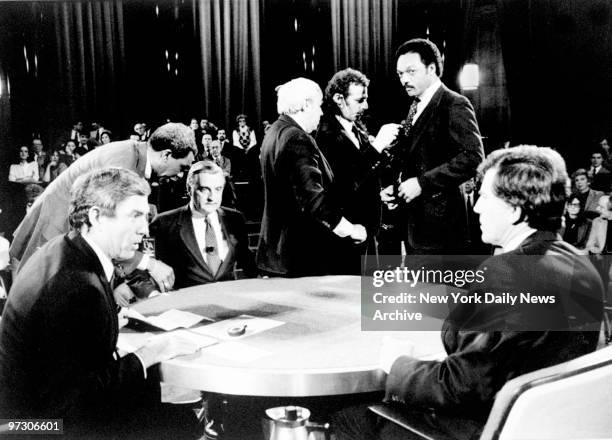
{"points": [[199, 228], [23, 170], [425, 98], [348, 128]]}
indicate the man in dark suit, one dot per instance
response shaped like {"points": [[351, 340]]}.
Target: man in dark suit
{"points": [[442, 149], [302, 214], [59, 328], [521, 205], [354, 161], [203, 241], [601, 178], [170, 150]]}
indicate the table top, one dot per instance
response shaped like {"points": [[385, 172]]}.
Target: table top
{"points": [[319, 350]]}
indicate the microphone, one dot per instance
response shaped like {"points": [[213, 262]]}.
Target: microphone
{"points": [[209, 249]]}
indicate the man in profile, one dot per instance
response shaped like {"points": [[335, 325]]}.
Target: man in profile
{"points": [[441, 150], [170, 150], [355, 162], [59, 328], [521, 204], [302, 214], [203, 241]]}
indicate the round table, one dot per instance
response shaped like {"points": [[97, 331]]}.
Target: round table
{"points": [[319, 350]]}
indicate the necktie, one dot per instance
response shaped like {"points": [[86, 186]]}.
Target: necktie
{"points": [[411, 112], [470, 204], [212, 250], [357, 134]]}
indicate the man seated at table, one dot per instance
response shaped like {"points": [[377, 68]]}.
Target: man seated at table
{"points": [[520, 206], [59, 328], [202, 241]]}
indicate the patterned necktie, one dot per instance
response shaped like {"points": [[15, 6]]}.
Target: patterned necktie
{"points": [[411, 112], [212, 250], [357, 134]]}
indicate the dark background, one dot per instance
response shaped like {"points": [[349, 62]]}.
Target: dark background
{"points": [[545, 65]]}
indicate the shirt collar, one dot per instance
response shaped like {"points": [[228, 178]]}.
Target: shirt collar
{"points": [[195, 214], [107, 264], [347, 125], [148, 168], [429, 92], [515, 241]]}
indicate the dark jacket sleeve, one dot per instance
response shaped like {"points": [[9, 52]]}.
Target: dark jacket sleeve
{"points": [[464, 139]]}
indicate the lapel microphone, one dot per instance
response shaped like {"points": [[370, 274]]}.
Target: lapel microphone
{"points": [[209, 249]]}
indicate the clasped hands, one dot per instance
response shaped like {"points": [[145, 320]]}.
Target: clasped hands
{"points": [[408, 190]]}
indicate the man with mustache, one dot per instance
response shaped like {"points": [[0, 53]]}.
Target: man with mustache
{"points": [[442, 149], [355, 161]]}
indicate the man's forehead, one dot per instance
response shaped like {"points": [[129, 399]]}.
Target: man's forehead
{"points": [[210, 179]]}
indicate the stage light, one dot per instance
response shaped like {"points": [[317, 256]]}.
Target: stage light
{"points": [[469, 77]]}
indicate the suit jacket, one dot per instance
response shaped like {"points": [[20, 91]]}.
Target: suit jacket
{"points": [[602, 181], [48, 217], [57, 339], [300, 209], [176, 245], [225, 163], [443, 150], [591, 203], [482, 354]]}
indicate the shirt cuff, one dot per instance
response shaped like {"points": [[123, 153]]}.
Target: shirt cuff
{"points": [[344, 228], [144, 262], [144, 369]]}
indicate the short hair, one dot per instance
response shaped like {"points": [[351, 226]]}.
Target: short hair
{"points": [[203, 166], [108, 132], [293, 95], [340, 83], [215, 143], [427, 50], [241, 116], [531, 178], [176, 137], [104, 188], [580, 172]]}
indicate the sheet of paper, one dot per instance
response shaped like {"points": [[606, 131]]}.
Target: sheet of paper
{"points": [[253, 325], [236, 351], [200, 340], [169, 320], [129, 342]]}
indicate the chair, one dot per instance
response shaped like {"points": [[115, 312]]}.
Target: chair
{"points": [[572, 400]]}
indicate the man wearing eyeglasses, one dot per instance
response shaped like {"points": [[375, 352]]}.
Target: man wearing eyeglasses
{"points": [[442, 148]]}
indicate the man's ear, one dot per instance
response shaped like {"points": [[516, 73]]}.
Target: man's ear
{"points": [[338, 99], [94, 215], [165, 155], [516, 215]]}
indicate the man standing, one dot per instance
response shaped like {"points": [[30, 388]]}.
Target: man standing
{"points": [[302, 215], [521, 205], [354, 161], [59, 328], [203, 241], [170, 150], [442, 149]]}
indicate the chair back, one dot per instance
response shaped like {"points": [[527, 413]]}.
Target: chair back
{"points": [[572, 400]]}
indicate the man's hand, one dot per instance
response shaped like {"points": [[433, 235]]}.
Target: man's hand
{"points": [[123, 294], [388, 198], [385, 137], [409, 189], [162, 274], [164, 347], [392, 348], [359, 234]]}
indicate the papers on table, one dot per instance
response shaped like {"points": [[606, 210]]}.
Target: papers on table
{"points": [[132, 341], [221, 329], [169, 320]]}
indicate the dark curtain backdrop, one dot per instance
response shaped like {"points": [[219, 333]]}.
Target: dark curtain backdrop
{"points": [[558, 62], [231, 59]]}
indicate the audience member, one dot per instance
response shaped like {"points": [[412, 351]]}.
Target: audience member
{"points": [[53, 167], [205, 150], [587, 197], [169, 151], [601, 178], [577, 226], [76, 131], [442, 149], [24, 171], [96, 132], [59, 329], [224, 162], [599, 241], [521, 204], [354, 161], [202, 241], [302, 216], [105, 137], [243, 136]]}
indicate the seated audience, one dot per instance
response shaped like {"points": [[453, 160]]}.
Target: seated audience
{"points": [[105, 137], [599, 241], [520, 206], [75, 133], [53, 167], [24, 171], [601, 178], [588, 197], [577, 226], [59, 328], [202, 241], [205, 146], [215, 155]]}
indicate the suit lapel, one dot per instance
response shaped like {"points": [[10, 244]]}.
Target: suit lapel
{"points": [[419, 128], [187, 234]]}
